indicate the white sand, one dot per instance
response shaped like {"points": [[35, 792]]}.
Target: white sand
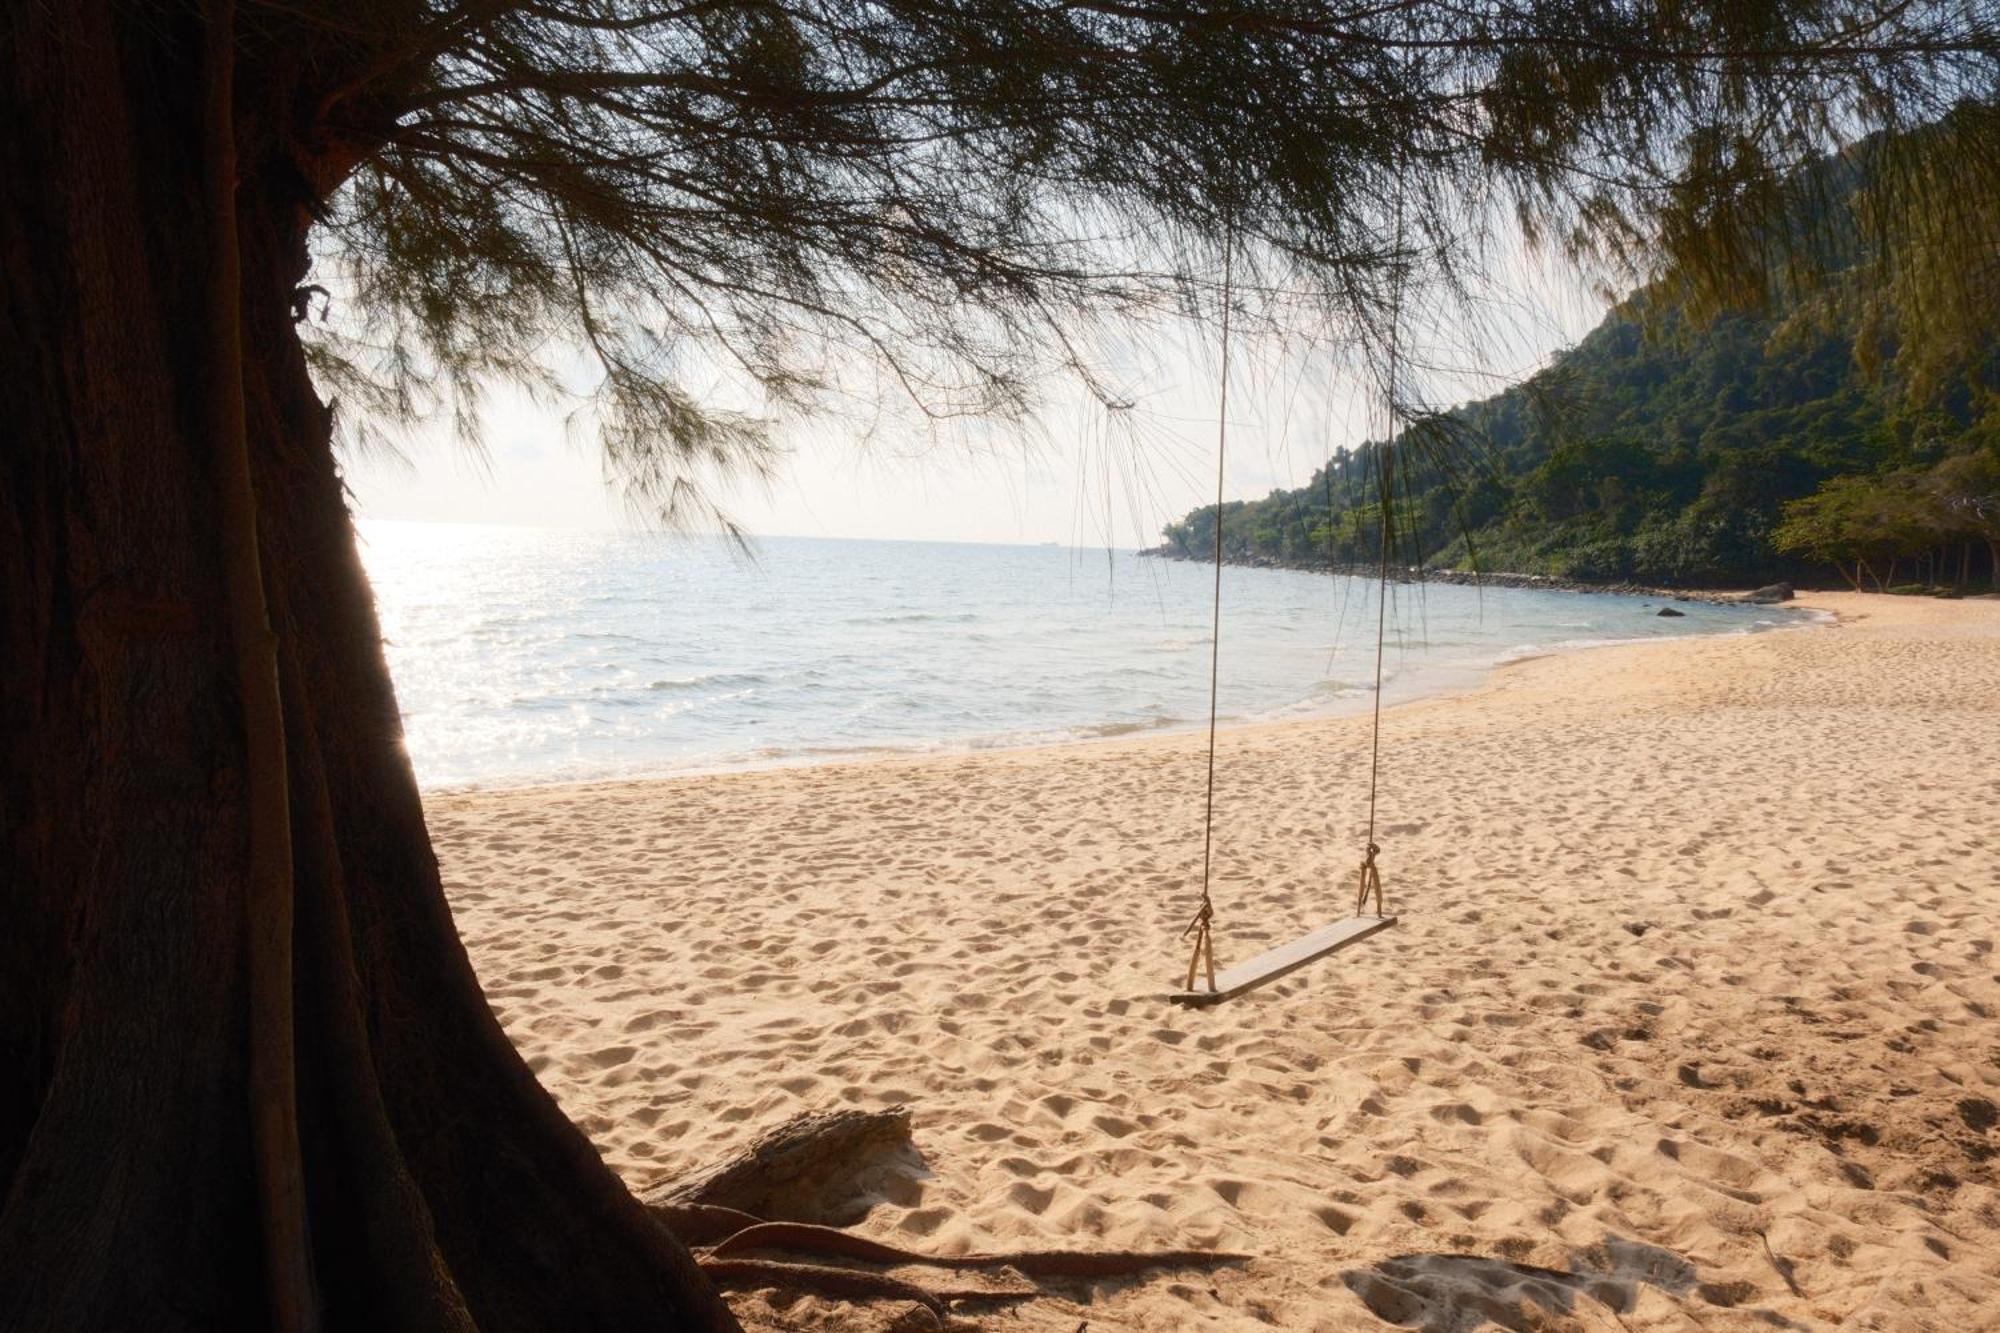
{"points": [[1692, 1004]]}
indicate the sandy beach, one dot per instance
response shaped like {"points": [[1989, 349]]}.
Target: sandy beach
{"points": [[1689, 1022]]}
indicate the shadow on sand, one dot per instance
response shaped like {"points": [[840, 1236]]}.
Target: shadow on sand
{"points": [[1458, 1293]]}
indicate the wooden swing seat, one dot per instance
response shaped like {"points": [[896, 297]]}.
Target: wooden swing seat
{"points": [[1286, 958]]}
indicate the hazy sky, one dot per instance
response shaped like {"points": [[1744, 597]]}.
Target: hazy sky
{"points": [[1074, 475]]}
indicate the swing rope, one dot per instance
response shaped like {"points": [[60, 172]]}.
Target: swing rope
{"points": [[1370, 876], [1199, 927]]}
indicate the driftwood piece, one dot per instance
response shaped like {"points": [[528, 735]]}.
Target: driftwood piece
{"points": [[808, 1169]]}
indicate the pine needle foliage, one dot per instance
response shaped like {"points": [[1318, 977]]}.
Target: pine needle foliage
{"points": [[810, 200]]}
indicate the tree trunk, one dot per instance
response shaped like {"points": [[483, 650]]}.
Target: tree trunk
{"points": [[444, 1189], [274, 1108]]}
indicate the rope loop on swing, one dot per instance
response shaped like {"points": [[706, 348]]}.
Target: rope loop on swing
{"points": [[1204, 945], [1371, 883]]}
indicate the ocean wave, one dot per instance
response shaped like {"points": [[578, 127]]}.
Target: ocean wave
{"points": [[1012, 739], [916, 618], [1321, 700], [708, 680], [780, 753], [1526, 651], [1106, 730]]}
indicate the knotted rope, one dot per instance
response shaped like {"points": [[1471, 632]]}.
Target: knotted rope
{"points": [[1204, 945], [1371, 882]]}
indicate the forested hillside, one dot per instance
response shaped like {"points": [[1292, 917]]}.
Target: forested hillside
{"points": [[1669, 451]]}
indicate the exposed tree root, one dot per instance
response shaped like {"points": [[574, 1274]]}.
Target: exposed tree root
{"points": [[830, 1242], [848, 1284], [725, 1266], [699, 1224]]}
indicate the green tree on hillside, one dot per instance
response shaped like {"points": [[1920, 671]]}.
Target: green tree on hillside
{"points": [[1858, 522], [1966, 489]]}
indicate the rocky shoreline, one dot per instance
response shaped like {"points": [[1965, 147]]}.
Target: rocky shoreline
{"points": [[1766, 596]]}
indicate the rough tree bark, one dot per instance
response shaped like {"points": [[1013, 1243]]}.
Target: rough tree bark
{"points": [[444, 1188]]}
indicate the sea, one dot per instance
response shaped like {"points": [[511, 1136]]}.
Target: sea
{"points": [[526, 655]]}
